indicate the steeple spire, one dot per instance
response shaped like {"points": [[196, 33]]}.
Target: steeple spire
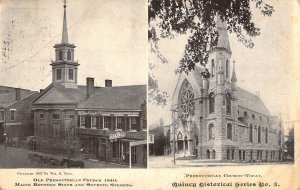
{"points": [[223, 40], [64, 39]]}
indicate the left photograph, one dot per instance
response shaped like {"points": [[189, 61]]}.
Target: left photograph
{"points": [[73, 90]]}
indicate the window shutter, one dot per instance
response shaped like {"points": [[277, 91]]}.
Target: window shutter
{"points": [[100, 122]]}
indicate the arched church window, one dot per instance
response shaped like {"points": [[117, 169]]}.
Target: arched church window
{"points": [[60, 55], [227, 69], [69, 55], [228, 103], [259, 134], [267, 134], [211, 103], [212, 68], [213, 154], [211, 132], [186, 100], [229, 131], [208, 154], [251, 133]]}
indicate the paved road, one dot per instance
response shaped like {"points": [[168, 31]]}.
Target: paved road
{"points": [[17, 158]]}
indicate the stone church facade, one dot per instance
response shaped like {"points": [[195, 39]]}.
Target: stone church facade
{"points": [[215, 119]]}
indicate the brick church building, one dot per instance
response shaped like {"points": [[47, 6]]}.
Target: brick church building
{"points": [[216, 119], [104, 123]]}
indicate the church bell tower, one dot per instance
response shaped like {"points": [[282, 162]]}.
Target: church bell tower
{"points": [[64, 68]]}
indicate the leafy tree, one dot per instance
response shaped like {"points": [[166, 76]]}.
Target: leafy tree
{"points": [[290, 143], [196, 18]]}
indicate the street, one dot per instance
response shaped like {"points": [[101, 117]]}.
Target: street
{"points": [[18, 158], [167, 161]]}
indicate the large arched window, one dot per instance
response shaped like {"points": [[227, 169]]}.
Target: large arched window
{"points": [[227, 69], [279, 138], [267, 135], [211, 102], [229, 131], [228, 103], [186, 99], [213, 68], [259, 134], [251, 133], [211, 132], [60, 55], [69, 55]]}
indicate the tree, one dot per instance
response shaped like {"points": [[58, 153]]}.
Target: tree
{"points": [[289, 143], [196, 18]]}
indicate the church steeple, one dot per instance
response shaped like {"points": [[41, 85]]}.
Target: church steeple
{"points": [[223, 39], [64, 68], [64, 39]]}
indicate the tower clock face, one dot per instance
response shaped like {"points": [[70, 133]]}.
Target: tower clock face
{"points": [[187, 103]]}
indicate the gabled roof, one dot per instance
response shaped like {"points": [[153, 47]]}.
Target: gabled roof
{"points": [[116, 98], [8, 95], [75, 94], [251, 101]]}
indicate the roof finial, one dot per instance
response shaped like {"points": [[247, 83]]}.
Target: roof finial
{"points": [[64, 39]]}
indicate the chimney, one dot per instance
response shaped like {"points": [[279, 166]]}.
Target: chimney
{"points": [[108, 83], [18, 94], [89, 86], [41, 90]]}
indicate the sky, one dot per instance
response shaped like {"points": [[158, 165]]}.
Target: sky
{"points": [[111, 40], [270, 68]]}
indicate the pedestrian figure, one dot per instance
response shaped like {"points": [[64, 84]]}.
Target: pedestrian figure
{"points": [[5, 143]]}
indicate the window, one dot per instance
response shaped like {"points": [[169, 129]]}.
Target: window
{"points": [[1, 115], [267, 131], [94, 121], [245, 114], [56, 116], [82, 120], [279, 138], [71, 74], [213, 154], [227, 69], [251, 133], [211, 132], [58, 74], [228, 103], [60, 55], [69, 55], [70, 116], [208, 154], [232, 154], [186, 100], [212, 68], [228, 154], [118, 122], [42, 116], [253, 116], [106, 121], [12, 115], [133, 123], [259, 134], [229, 131], [211, 103]]}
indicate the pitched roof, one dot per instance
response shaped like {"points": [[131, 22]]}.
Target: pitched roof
{"points": [[251, 101], [116, 98], [28, 99], [8, 95]]}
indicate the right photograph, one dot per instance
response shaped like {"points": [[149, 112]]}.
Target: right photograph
{"points": [[221, 87]]}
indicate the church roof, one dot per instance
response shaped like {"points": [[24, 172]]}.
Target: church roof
{"points": [[251, 101], [119, 97]]}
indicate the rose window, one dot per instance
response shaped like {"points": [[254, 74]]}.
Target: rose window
{"points": [[187, 104]]}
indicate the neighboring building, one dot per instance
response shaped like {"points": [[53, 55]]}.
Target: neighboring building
{"points": [[215, 119], [101, 122], [15, 113], [161, 140]]}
